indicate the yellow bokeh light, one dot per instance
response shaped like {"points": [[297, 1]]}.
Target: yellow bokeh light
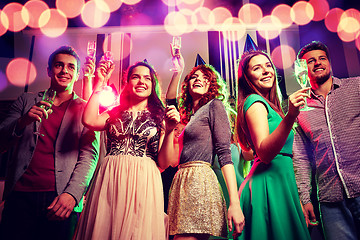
{"points": [[4, 23], [18, 18], [269, 27], [302, 13], [56, 25], [250, 13], [93, 16], [282, 12], [35, 8]]}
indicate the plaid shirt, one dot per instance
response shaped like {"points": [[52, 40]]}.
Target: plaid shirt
{"points": [[327, 140]]}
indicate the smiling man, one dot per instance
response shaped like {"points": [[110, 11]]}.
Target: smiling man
{"points": [[51, 163], [327, 141]]}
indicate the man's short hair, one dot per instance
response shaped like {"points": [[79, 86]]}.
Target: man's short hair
{"points": [[65, 50], [314, 45]]}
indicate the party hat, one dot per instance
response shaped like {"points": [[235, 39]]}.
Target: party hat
{"points": [[199, 61], [250, 44]]}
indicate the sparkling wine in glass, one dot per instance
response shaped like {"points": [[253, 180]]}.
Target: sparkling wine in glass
{"points": [[301, 75], [108, 56], [91, 53], [91, 49], [49, 97], [175, 48]]}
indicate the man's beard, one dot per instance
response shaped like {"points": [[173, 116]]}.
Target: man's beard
{"points": [[321, 79]]}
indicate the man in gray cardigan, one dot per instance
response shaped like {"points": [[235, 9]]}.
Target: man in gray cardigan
{"points": [[53, 157]]}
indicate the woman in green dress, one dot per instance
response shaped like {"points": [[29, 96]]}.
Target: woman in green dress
{"points": [[268, 196]]}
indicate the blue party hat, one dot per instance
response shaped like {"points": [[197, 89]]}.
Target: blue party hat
{"points": [[250, 44], [199, 61]]}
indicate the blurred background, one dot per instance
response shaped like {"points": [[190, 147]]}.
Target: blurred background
{"points": [[134, 30]]}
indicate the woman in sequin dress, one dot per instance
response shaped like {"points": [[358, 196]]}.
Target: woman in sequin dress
{"points": [[269, 196], [126, 200], [197, 207]]}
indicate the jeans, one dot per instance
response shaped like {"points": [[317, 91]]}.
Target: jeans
{"points": [[24, 217], [341, 220]]}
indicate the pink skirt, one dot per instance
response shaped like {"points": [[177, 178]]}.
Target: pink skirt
{"points": [[125, 202]]}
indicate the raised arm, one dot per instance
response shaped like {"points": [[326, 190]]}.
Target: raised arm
{"points": [[266, 145], [88, 72], [91, 117], [179, 65]]}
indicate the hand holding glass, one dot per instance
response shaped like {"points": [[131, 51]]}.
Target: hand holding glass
{"points": [[49, 97], [301, 75], [175, 48], [91, 53]]}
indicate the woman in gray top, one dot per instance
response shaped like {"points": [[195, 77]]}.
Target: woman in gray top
{"points": [[197, 207]]}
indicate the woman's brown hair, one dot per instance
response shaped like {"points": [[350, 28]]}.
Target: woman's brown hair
{"points": [[246, 88]]}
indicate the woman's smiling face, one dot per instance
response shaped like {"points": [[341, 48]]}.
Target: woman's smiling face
{"points": [[261, 73], [198, 84]]}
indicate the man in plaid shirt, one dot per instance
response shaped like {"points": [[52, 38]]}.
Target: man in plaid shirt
{"points": [[328, 142]]}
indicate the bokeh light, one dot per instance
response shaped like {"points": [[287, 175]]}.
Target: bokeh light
{"points": [[349, 25], [107, 97], [236, 28], [283, 56], [71, 8], [302, 13], [4, 23], [332, 19], [282, 12], [250, 13], [357, 41], [111, 5], [170, 3], [175, 23], [56, 25], [269, 27], [120, 45], [93, 16], [34, 8], [321, 8], [20, 69], [187, 7], [201, 19], [131, 2], [18, 18], [218, 16]]}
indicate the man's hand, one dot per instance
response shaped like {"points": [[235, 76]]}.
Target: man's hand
{"points": [[61, 207]]}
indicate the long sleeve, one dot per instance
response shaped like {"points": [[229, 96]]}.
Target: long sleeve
{"points": [[221, 132], [303, 156]]}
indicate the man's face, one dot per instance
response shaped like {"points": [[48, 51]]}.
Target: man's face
{"points": [[63, 72], [318, 66]]}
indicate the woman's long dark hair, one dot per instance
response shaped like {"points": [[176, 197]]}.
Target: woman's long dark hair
{"points": [[155, 105], [246, 88], [217, 89]]}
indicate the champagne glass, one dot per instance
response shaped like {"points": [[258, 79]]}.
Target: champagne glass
{"points": [[91, 53], [49, 97], [301, 75], [108, 56], [175, 48]]}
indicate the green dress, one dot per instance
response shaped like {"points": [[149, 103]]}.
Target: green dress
{"points": [[269, 197]]}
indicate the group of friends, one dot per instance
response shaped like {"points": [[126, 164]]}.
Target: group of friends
{"points": [[49, 173]]}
